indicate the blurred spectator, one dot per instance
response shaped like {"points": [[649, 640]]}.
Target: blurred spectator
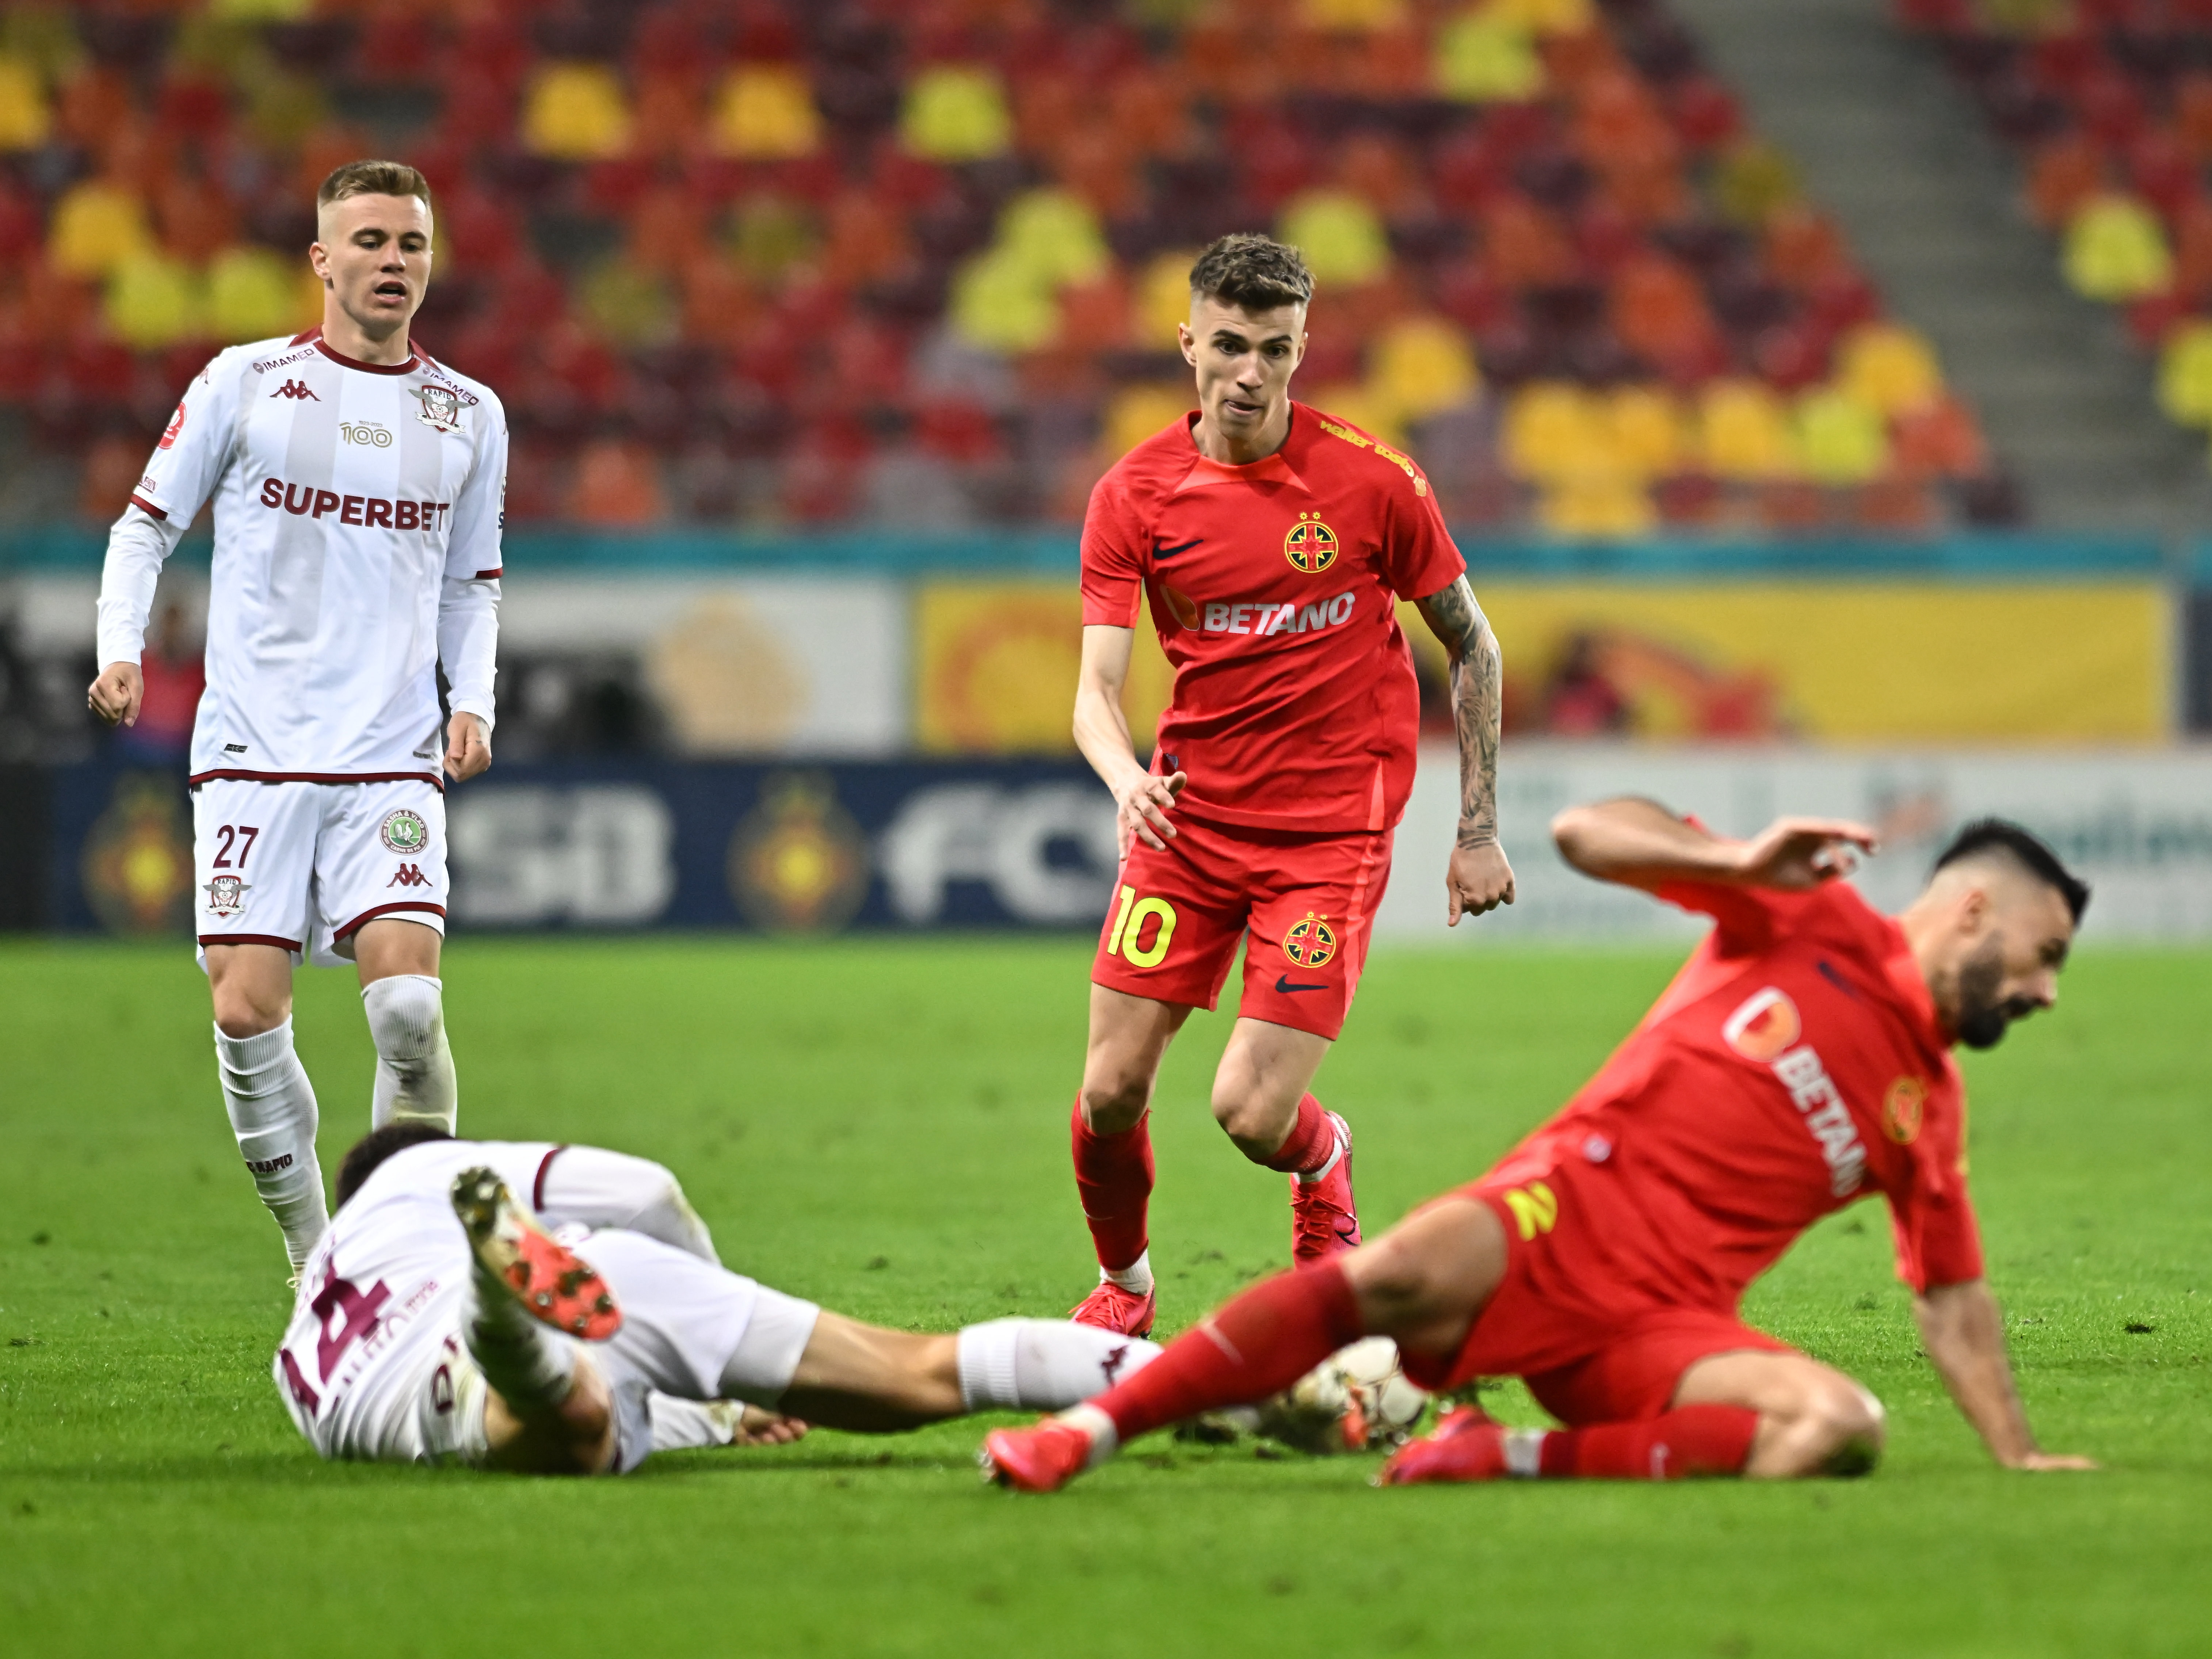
{"points": [[1579, 702], [175, 675]]}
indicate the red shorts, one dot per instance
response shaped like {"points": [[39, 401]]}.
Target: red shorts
{"points": [[1592, 1347], [1307, 900]]}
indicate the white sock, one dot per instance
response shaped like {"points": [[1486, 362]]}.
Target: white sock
{"points": [[529, 1365], [415, 1077], [1524, 1452], [272, 1112], [1105, 1438], [1136, 1278], [1335, 1152], [1041, 1365]]}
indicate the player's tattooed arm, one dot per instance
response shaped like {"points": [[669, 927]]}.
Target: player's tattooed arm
{"points": [[1480, 879]]}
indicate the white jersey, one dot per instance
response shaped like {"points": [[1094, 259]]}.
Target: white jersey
{"points": [[372, 1365], [358, 510]]}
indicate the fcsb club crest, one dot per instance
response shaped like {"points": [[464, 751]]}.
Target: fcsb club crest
{"points": [[1310, 545], [1901, 1106], [404, 831], [441, 408], [1311, 943], [227, 896]]}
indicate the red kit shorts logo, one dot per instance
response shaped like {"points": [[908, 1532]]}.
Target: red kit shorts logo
{"points": [[1310, 545], [1765, 1026], [1311, 943]]}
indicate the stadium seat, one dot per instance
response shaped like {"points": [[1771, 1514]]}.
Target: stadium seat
{"points": [[1341, 236], [575, 112], [153, 301], [956, 112], [254, 293], [26, 118], [617, 487], [96, 228], [2115, 249], [1840, 439]]}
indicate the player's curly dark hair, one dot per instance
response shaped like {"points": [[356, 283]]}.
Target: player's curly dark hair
{"points": [[372, 1148], [1253, 273], [2026, 849]]}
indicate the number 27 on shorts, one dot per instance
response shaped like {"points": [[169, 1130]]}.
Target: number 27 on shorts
{"points": [[1128, 939]]}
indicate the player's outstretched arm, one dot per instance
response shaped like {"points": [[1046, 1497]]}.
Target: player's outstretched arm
{"points": [[1963, 1330], [1102, 733], [1639, 843], [1480, 878]]}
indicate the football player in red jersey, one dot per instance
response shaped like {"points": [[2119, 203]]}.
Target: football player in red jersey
{"points": [[1799, 1061], [1272, 543]]}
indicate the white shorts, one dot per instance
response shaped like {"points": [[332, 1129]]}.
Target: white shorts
{"points": [[303, 865]]}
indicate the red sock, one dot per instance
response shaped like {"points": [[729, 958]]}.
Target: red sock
{"points": [[1690, 1440], [1312, 1139], [1114, 1177], [1259, 1342]]}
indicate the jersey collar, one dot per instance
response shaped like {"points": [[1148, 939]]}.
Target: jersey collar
{"points": [[314, 336], [1207, 474]]}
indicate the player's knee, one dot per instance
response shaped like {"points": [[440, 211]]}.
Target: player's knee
{"points": [[1847, 1427], [404, 1013], [1398, 1288], [1114, 1099], [240, 1012], [1256, 1125]]}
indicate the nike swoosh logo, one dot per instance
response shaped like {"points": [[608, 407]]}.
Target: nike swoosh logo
{"points": [[1160, 552], [1282, 983]]}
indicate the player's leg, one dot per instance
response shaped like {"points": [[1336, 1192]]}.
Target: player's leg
{"points": [[404, 1001], [1423, 1283], [253, 850], [1111, 1144], [1309, 927], [596, 1189], [380, 879], [1813, 1419]]}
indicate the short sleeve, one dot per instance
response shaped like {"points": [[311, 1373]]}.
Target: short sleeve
{"points": [[1747, 917], [1419, 557], [479, 513], [1939, 1241], [195, 447], [1113, 569]]}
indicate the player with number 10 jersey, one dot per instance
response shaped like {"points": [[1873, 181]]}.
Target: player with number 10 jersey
{"points": [[1271, 544]]}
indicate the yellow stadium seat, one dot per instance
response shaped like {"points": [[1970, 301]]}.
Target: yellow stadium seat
{"points": [[956, 112], [1743, 432], [261, 11], [770, 235], [1840, 439], [1890, 368], [1339, 234], [1602, 505], [1482, 55], [997, 303], [1362, 404], [1554, 428], [152, 301], [1163, 298], [1353, 16], [252, 293], [2184, 374], [576, 112], [96, 227], [1136, 412], [1422, 366], [2115, 250], [1545, 16], [1755, 181], [1054, 235], [25, 119], [765, 112], [1646, 428]]}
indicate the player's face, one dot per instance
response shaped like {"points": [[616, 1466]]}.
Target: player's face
{"points": [[1244, 361], [375, 255], [2008, 967]]}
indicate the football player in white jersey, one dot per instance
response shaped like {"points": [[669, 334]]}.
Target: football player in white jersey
{"points": [[440, 1320], [357, 489]]}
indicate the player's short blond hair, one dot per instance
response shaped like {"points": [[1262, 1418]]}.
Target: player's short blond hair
{"points": [[373, 178]]}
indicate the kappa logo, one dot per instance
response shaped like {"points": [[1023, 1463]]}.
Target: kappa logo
{"points": [[409, 875], [1310, 545], [441, 407], [295, 390], [1311, 943], [227, 896]]}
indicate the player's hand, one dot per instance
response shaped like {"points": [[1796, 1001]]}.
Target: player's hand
{"points": [[1794, 854], [2042, 1462], [760, 1427], [1478, 880], [116, 695], [1141, 809], [468, 747]]}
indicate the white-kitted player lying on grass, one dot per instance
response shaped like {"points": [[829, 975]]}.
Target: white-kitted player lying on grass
{"points": [[559, 1309]]}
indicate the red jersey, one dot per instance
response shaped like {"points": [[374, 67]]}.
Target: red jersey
{"points": [[1274, 588], [1793, 1065]]}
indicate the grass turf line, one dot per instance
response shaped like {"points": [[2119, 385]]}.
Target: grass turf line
{"points": [[882, 1126]]}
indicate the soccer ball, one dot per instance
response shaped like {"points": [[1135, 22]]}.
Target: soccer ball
{"points": [[1356, 1400]]}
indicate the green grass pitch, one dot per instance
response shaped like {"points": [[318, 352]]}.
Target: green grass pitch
{"points": [[882, 1127]]}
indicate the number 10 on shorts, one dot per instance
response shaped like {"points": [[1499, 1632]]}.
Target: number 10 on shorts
{"points": [[1127, 938]]}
